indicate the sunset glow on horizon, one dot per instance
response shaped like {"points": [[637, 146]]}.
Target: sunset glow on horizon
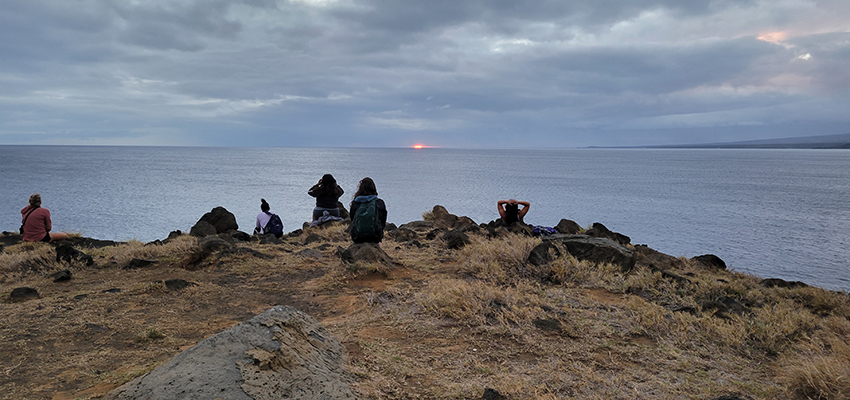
{"points": [[420, 146]]}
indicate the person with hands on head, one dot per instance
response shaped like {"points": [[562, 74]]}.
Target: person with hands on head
{"points": [[327, 194], [510, 212]]}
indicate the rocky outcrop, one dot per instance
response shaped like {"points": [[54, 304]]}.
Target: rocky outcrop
{"points": [[596, 250], [202, 229], [67, 253], [543, 254], [443, 219], [568, 227], [599, 230], [648, 256], [220, 219], [710, 261], [282, 353], [455, 239]]}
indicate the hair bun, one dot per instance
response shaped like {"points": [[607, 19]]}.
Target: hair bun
{"points": [[263, 201]]}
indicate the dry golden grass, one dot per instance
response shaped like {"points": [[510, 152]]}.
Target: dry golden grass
{"points": [[443, 324]]}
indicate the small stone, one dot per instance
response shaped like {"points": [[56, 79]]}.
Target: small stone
{"points": [[178, 284], [23, 294], [61, 276]]}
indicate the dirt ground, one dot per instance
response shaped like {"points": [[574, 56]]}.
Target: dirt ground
{"points": [[408, 330]]}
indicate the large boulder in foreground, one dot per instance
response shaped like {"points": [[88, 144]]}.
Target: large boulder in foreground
{"points": [[219, 218], [282, 353], [595, 249]]}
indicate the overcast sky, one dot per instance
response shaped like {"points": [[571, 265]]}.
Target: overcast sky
{"points": [[449, 73]]}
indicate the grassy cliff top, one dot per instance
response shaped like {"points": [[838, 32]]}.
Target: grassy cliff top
{"points": [[436, 324]]}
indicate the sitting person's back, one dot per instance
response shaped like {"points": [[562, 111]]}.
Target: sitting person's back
{"points": [[36, 223], [368, 214], [267, 221]]}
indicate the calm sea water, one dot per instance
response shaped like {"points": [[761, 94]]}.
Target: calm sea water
{"points": [[771, 213]]}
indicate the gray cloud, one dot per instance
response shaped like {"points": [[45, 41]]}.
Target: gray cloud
{"points": [[392, 73]]}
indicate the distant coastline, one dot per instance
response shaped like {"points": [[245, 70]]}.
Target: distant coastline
{"points": [[801, 142]]}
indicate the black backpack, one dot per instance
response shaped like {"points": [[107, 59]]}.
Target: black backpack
{"points": [[366, 226], [274, 226]]}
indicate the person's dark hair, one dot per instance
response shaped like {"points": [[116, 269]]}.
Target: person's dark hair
{"points": [[366, 187], [328, 185], [264, 206], [511, 213]]}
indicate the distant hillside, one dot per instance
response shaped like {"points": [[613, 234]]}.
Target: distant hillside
{"points": [[804, 142]]}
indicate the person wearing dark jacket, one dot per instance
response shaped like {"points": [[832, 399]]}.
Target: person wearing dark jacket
{"points": [[366, 192], [327, 193]]}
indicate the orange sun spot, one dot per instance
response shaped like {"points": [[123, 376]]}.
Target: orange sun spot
{"points": [[418, 146]]}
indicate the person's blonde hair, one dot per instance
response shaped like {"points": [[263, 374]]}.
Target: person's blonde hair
{"points": [[35, 200]]}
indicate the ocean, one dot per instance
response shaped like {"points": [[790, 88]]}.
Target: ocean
{"points": [[771, 213]]}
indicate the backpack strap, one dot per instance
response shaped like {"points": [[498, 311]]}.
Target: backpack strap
{"points": [[25, 219]]}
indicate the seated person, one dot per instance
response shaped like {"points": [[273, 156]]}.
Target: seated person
{"points": [[327, 193], [36, 223], [263, 219], [510, 212]]}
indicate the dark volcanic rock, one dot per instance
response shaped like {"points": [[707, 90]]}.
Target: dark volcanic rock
{"points": [[310, 253], [178, 284], [434, 233], [313, 238], [89, 243], [403, 235], [648, 256], [241, 236], [443, 219], [775, 282], [61, 276], [67, 253], [543, 254], [599, 230], [202, 229], [270, 239], [710, 260], [548, 324], [594, 249], [418, 226], [725, 305], [23, 294], [568, 227], [295, 233], [210, 244], [9, 238], [137, 263], [455, 239], [222, 220], [492, 394]]}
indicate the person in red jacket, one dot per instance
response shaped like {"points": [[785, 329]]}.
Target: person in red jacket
{"points": [[35, 222]]}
